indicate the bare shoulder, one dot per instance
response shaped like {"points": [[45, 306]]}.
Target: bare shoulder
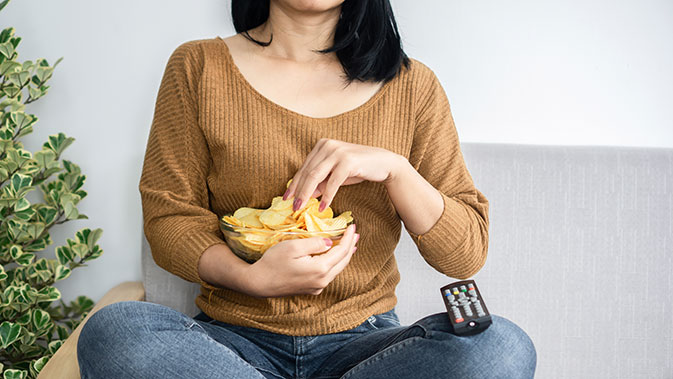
{"points": [[238, 44], [236, 39]]}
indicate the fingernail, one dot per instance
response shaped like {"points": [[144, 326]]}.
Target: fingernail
{"points": [[328, 241], [285, 194], [297, 204], [357, 237], [322, 206], [355, 248]]}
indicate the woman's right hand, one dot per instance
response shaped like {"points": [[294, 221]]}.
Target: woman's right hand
{"points": [[291, 268]]}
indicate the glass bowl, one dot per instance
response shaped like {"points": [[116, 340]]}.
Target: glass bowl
{"points": [[250, 243]]}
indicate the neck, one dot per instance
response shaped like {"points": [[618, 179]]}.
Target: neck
{"points": [[297, 34]]}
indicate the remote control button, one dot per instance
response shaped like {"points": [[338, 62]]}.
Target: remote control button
{"points": [[473, 324], [460, 319], [447, 293], [472, 292], [480, 310], [468, 310], [461, 295], [463, 289], [454, 290]]}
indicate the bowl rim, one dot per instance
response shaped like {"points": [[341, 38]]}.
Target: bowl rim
{"points": [[230, 227]]}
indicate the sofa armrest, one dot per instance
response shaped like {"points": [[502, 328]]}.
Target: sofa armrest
{"points": [[63, 364]]}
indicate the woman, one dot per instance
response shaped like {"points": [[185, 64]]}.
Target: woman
{"points": [[320, 92]]}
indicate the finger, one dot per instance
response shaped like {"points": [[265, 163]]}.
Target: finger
{"points": [[338, 252], [308, 161], [339, 266], [308, 246], [321, 188], [310, 181], [309, 165], [335, 180], [324, 148], [318, 191]]}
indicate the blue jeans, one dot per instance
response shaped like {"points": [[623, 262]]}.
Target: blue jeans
{"points": [[136, 339]]}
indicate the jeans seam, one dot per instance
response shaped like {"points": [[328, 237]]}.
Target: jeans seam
{"points": [[267, 371], [390, 319], [196, 324], [387, 319]]}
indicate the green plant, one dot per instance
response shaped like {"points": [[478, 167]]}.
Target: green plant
{"points": [[32, 325]]}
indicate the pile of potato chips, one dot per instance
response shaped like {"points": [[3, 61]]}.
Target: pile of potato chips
{"points": [[259, 229]]}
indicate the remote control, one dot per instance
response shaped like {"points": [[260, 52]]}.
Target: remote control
{"points": [[465, 307]]}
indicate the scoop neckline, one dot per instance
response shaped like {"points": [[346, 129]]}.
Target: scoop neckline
{"points": [[360, 108]]}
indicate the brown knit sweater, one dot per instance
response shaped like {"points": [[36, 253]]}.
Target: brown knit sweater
{"points": [[216, 144]]}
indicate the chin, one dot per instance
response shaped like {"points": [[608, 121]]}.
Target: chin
{"points": [[311, 5]]}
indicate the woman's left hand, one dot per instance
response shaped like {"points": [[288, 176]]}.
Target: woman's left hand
{"points": [[333, 163]]}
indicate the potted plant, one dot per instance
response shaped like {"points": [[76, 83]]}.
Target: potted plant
{"points": [[34, 320]]}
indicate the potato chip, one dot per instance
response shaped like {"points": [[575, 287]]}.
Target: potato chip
{"points": [[244, 212], [310, 223], [279, 204], [272, 219], [319, 223], [232, 220]]}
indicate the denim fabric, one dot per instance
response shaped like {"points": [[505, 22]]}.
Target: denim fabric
{"points": [[135, 339]]}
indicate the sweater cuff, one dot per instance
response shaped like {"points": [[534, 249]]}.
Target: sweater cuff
{"points": [[193, 245], [440, 245]]}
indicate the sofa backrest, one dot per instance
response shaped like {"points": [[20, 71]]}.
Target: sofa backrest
{"points": [[580, 257]]}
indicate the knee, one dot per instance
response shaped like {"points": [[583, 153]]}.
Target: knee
{"points": [[102, 325], [504, 350], [512, 350], [109, 328]]}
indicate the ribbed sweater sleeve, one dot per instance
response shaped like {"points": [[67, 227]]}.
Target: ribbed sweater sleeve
{"points": [[178, 222], [457, 244]]}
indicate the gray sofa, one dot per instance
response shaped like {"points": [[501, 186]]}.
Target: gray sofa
{"points": [[580, 256]]}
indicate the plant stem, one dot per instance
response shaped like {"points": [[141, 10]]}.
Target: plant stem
{"points": [[46, 228]]}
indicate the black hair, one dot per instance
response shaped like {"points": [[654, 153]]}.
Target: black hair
{"points": [[366, 39]]}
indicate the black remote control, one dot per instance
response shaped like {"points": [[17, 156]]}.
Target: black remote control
{"points": [[465, 307]]}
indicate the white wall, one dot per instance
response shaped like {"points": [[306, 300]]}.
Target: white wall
{"points": [[593, 72], [575, 72]]}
